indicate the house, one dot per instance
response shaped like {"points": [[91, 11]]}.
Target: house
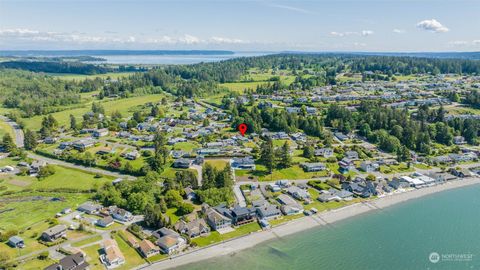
{"points": [[298, 193], [122, 215], [325, 152], [289, 205], [50, 140], [177, 153], [351, 154], [132, 155], [458, 140], [83, 144], [36, 166], [100, 133], [340, 136], [313, 167], [398, 184], [246, 163], [268, 211], [169, 241], [105, 222], [368, 166], [274, 187], [112, 257], [243, 215], [54, 233], [147, 248], [462, 173], [182, 163], [190, 193], [346, 165], [75, 261], [16, 242], [89, 208], [414, 182], [194, 228], [360, 188], [215, 219]]}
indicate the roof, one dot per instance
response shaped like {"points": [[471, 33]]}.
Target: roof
{"points": [[112, 252], [146, 246], [56, 229], [15, 239], [75, 261]]}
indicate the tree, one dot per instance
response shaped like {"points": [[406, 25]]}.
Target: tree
{"points": [[184, 209], [173, 198], [267, 156], [8, 143], [308, 151], [285, 158], [73, 122], [46, 171], [30, 140], [153, 216]]}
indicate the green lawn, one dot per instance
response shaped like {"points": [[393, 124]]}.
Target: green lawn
{"points": [[93, 257], [291, 173], [132, 257], [29, 236], [28, 213], [87, 241], [216, 237], [5, 128], [217, 163], [35, 264], [124, 106]]}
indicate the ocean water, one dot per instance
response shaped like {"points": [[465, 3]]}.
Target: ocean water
{"points": [[173, 59], [405, 236]]}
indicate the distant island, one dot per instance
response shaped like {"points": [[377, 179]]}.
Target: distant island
{"points": [[111, 52]]}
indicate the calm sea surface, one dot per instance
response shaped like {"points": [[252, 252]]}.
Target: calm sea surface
{"points": [[173, 59], [400, 237]]}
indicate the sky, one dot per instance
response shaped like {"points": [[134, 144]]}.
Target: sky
{"points": [[241, 25]]}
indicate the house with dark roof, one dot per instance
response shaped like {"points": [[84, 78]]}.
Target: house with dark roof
{"points": [[70, 262], [182, 163], [215, 219], [16, 242], [246, 163], [313, 167], [54, 233], [268, 211], [194, 228], [105, 222]]}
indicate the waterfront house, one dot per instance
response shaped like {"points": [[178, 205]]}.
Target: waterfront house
{"points": [[147, 248], [194, 228], [298, 193], [215, 219], [169, 241], [121, 215], [288, 205], [268, 211]]}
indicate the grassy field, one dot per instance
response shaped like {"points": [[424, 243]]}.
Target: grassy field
{"points": [[124, 106], [292, 173], [35, 264], [93, 253], [28, 212], [216, 237], [79, 77], [87, 241], [5, 128], [132, 257], [219, 164], [67, 178]]}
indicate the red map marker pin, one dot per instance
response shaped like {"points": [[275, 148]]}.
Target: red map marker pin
{"points": [[242, 128]]}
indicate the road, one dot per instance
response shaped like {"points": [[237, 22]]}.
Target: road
{"points": [[19, 138]]}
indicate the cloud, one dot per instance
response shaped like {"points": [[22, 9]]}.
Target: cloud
{"points": [[26, 35], [399, 31], [432, 26], [295, 9], [363, 33], [459, 43], [476, 42]]}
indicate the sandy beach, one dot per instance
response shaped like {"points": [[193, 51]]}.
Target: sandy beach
{"points": [[304, 223]]}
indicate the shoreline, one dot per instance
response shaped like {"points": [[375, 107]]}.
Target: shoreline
{"points": [[304, 223]]}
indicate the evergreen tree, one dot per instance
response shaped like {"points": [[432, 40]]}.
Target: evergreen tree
{"points": [[267, 156], [30, 140]]}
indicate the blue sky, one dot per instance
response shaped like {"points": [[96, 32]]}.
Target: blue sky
{"points": [[322, 25]]}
